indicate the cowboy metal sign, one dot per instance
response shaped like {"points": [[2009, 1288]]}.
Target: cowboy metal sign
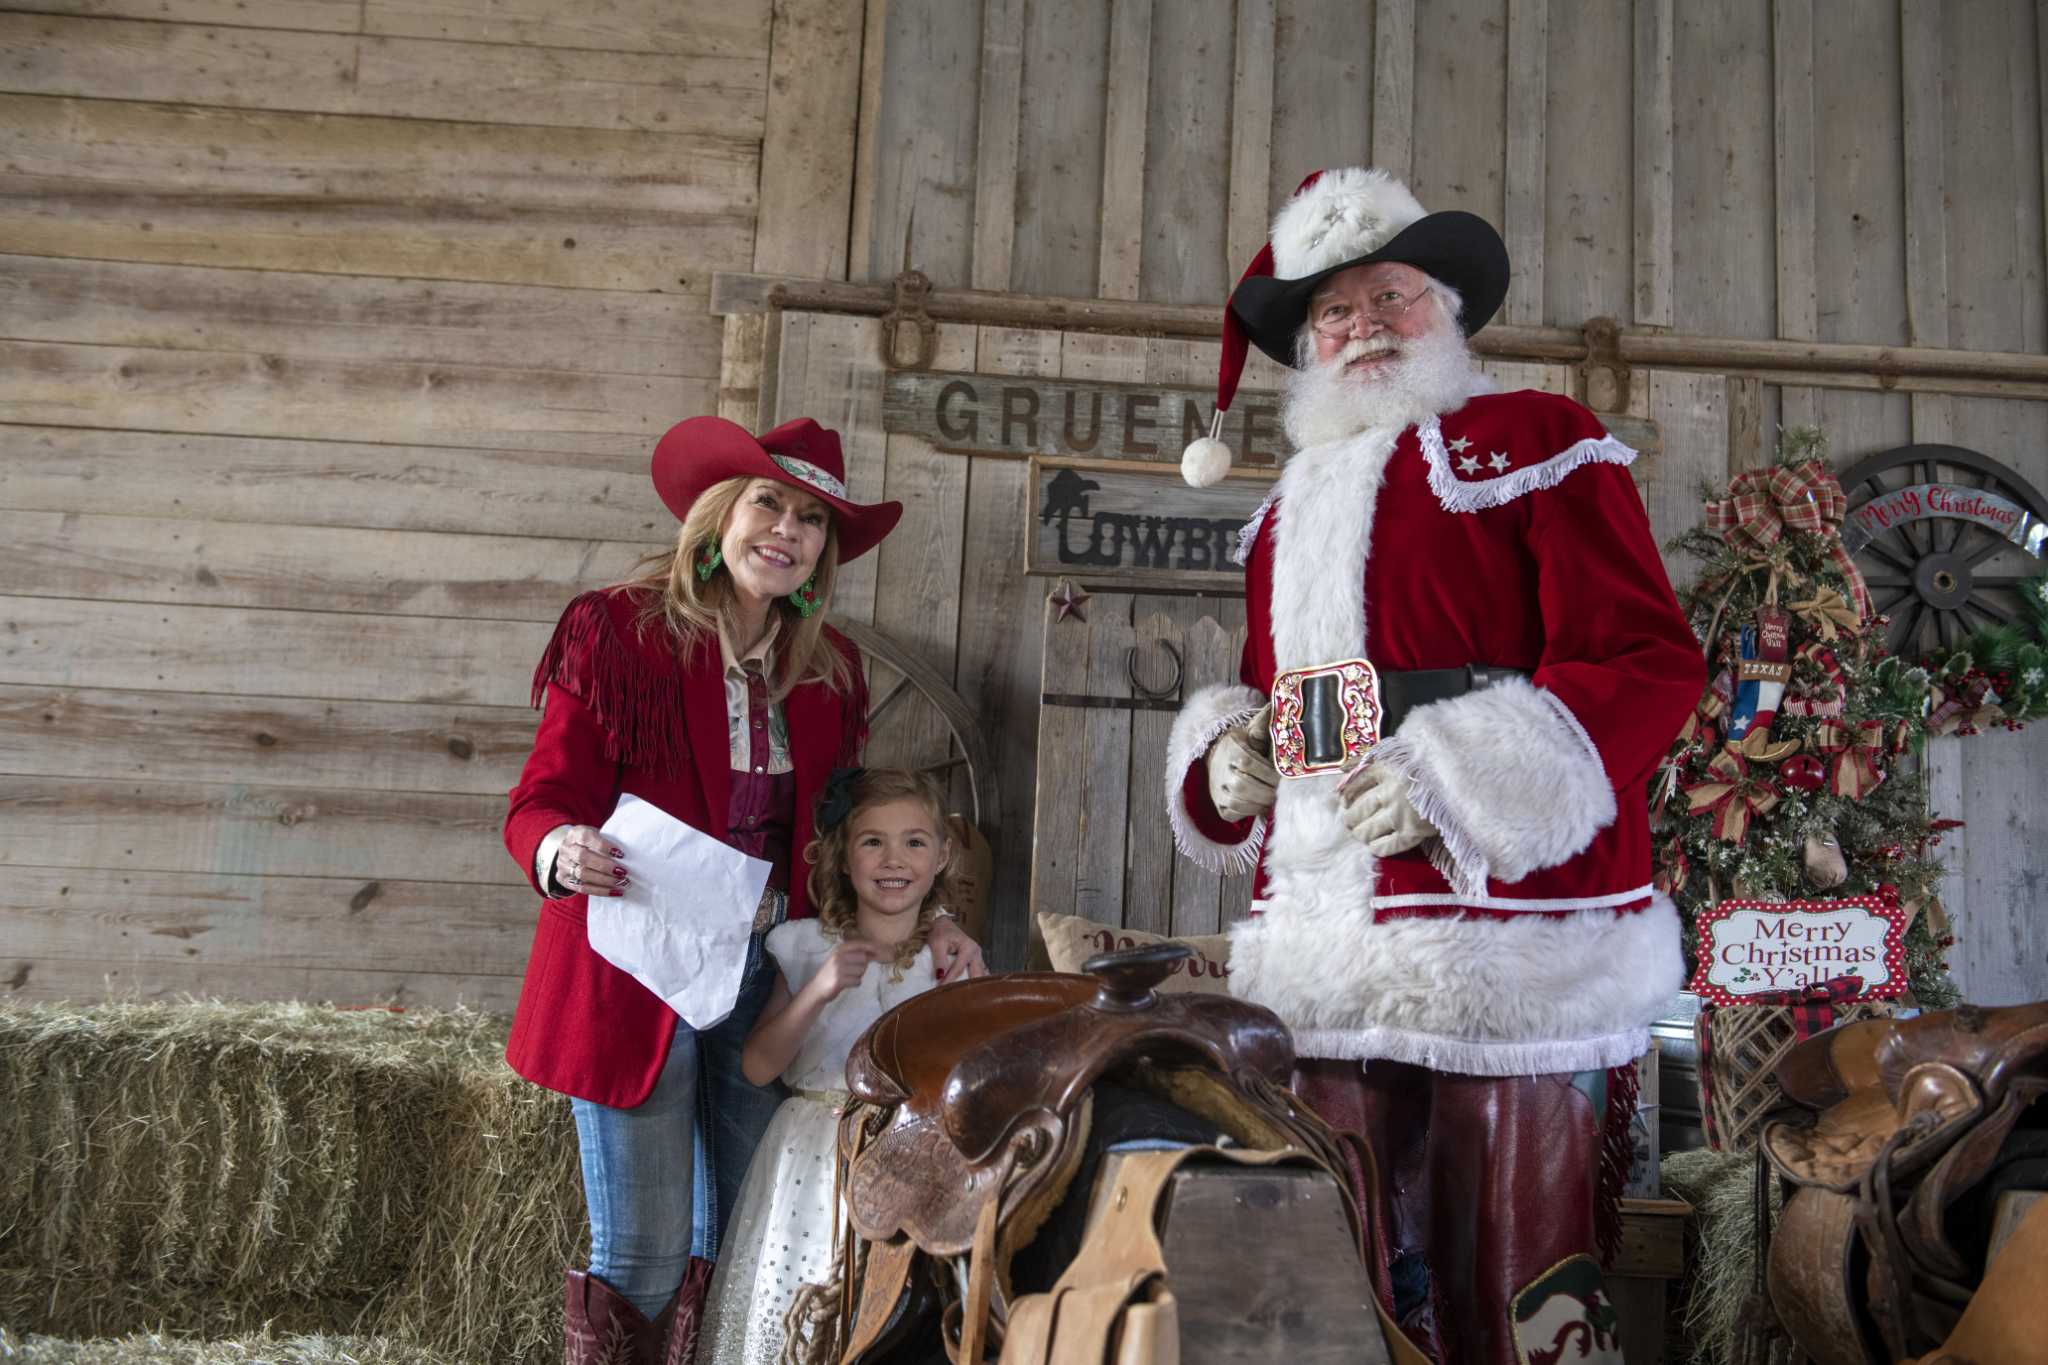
{"points": [[1140, 526]]}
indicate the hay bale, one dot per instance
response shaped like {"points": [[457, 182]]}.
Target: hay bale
{"points": [[1721, 1258], [211, 1168], [150, 1348]]}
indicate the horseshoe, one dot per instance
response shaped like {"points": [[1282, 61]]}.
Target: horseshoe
{"points": [[1139, 689]]}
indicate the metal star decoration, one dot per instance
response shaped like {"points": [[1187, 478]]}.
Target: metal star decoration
{"points": [[1468, 464], [1460, 444], [1498, 459], [1068, 600]]}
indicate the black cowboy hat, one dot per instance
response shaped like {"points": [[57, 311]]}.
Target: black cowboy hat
{"points": [[1459, 248]]}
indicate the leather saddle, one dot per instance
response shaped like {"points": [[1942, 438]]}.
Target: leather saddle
{"points": [[1897, 1128], [970, 1112]]}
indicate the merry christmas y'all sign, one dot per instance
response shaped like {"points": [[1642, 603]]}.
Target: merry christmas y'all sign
{"points": [[1753, 952]]}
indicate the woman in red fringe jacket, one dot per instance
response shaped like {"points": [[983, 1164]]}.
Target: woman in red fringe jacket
{"points": [[710, 686]]}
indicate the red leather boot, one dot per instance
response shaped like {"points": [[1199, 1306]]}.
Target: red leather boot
{"points": [[600, 1326], [685, 1313]]}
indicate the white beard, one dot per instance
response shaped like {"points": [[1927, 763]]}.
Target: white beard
{"points": [[1434, 373]]}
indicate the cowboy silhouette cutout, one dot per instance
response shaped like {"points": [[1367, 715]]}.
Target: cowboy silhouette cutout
{"points": [[1067, 495]]}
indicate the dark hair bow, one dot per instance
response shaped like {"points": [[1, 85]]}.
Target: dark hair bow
{"points": [[836, 803]]}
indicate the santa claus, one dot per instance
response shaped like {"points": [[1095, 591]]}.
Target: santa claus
{"points": [[1463, 660]]}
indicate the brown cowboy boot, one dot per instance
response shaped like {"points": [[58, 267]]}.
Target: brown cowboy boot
{"points": [[600, 1326], [685, 1313]]}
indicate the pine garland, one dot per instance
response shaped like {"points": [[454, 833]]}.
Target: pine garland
{"points": [[1998, 675], [1886, 834]]}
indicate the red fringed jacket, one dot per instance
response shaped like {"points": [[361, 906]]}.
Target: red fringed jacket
{"points": [[626, 713]]}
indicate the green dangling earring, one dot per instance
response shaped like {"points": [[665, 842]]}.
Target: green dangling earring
{"points": [[805, 599], [708, 563]]}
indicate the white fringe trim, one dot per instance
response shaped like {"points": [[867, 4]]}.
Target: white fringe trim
{"points": [[1205, 715], [1533, 905], [1250, 533], [1474, 1056], [1454, 853], [1564, 713], [1474, 495]]}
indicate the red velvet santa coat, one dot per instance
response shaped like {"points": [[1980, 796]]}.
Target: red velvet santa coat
{"points": [[1506, 533], [626, 714]]}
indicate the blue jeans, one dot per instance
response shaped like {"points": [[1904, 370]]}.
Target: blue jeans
{"points": [[661, 1180]]}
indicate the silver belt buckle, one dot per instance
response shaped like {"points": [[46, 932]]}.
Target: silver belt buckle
{"points": [[1326, 717], [772, 910]]}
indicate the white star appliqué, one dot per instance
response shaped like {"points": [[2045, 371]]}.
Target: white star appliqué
{"points": [[1498, 459], [1459, 445], [1468, 464]]}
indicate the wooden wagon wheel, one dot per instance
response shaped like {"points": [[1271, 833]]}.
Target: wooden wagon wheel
{"points": [[913, 678], [1939, 578]]}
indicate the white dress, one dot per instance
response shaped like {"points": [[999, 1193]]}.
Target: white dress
{"points": [[781, 1233]]}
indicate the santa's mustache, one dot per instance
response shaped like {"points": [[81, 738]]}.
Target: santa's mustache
{"points": [[1358, 348]]}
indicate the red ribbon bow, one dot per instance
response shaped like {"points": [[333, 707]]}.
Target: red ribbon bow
{"points": [[1731, 794], [1762, 503], [1853, 771]]}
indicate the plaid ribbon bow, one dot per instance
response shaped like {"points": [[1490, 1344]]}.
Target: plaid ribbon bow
{"points": [[1762, 503], [1812, 1005], [1853, 752], [1731, 794], [1813, 1011], [1971, 703]]}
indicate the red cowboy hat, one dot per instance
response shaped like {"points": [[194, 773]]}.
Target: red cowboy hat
{"points": [[698, 452]]}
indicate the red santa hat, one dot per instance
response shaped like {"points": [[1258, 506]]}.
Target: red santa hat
{"points": [[1333, 221]]}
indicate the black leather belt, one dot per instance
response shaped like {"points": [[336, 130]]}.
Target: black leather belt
{"points": [[1328, 717], [1401, 693]]}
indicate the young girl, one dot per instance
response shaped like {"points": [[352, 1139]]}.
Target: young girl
{"points": [[879, 877]]}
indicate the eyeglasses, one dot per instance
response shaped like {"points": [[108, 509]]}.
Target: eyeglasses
{"points": [[1336, 319]]}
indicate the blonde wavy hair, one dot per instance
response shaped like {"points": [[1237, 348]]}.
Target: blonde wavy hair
{"points": [[692, 608], [832, 892]]}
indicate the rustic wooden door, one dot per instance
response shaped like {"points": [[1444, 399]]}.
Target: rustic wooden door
{"points": [[1116, 670]]}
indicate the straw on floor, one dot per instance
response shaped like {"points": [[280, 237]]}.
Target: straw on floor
{"points": [[221, 1170]]}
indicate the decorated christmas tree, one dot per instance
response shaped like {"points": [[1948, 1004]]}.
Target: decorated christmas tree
{"points": [[1794, 777]]}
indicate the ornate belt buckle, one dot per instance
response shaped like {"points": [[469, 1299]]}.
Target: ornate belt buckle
{"points": [[1326, 718]]}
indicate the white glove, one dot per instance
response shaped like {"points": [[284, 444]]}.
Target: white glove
{"points": [[1377, 811], [1241, 774]]}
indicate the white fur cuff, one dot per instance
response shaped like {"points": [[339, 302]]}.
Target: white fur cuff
{"points": [[1205, 715], [1509, 778]]}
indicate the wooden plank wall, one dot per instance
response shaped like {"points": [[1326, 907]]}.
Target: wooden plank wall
{"points": [[1751, 168], [333, 338]]}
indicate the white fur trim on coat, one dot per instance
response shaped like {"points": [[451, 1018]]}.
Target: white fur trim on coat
{"points": [[1531, 995], [1509, 778], [1346, 214], [1327, 494], [1205, 715], [1475, 495]]}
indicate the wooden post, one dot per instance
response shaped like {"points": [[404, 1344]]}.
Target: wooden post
{"points": [[1653, 162]]}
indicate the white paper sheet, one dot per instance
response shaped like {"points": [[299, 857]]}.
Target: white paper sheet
{"points": [[681, 929]]}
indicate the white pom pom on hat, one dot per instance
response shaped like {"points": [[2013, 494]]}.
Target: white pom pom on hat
{"points": [[1207, 458]]}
